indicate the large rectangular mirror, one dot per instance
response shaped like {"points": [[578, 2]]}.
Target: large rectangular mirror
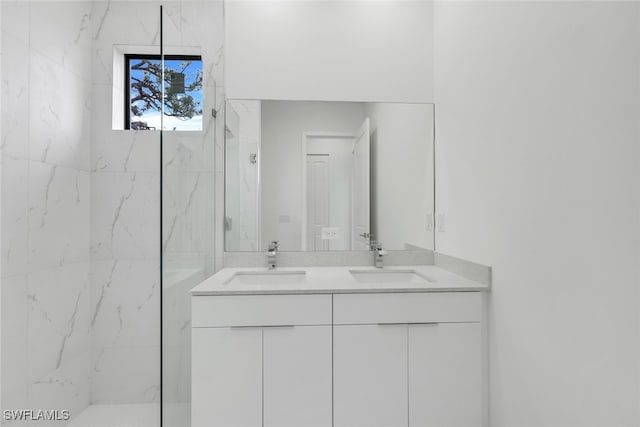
{"points": [[328, 176]]}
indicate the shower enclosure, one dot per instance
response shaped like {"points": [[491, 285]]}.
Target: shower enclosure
{"points": [[188, 207], [108, 205]]}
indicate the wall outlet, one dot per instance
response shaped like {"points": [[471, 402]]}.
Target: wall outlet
{"points": [[428, 225], [330, 233], [284, 219], [441, 223]]}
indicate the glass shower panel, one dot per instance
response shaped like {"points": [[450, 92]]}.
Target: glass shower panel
{"points": [[191, 30]]}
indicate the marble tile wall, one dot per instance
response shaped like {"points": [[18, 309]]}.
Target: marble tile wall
{"points": [[125, 208], [125, 223], [46, 130], [81, 205]]}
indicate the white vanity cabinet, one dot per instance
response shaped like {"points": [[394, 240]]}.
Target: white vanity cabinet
{"points": [[338, 360], [370, 375], [262, 360], [411, 359], [226, 385], [297, 376], [445, 375]]}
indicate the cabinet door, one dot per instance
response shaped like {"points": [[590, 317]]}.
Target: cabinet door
{"points": [[445, 375], [297, 376], [370, 376], [227, 385]]}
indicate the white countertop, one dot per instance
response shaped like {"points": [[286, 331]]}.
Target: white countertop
{"points": [[319, 280]]}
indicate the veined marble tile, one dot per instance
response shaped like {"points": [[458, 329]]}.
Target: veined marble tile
{"points": [[15, 216], [219, 219], [59, 115], [58, 317], [126, 151], [206, 33], [120, 150], [125, 220], [219, 262], [126, 375], [15, 20], [62, 32], [193, 151], [177, 333], [15, 371], [220, 128], [172, 371], [211, 102], [210, 262], [121, 23], [101, 118], [136, 23], [172, 23], [129, 415], [15, 93], [188, 212], [177, 373], [188, 152], [125, 305], [67, 387], [58, 215]]}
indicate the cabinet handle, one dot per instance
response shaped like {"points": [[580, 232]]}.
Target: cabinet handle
{"points": [[265, 326], [409, 323]]}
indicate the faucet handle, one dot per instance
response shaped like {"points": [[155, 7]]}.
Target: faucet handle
{"points": [[273, 245]]}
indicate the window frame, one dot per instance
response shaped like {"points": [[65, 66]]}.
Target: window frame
{"points": [[128, 57]]}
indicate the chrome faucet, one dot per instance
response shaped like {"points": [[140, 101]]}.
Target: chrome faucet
{"points": [[378, 253], [271, 254]]}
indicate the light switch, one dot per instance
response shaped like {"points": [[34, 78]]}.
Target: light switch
{"points": [[441, 223], [428, 225], [284, 219], [330, 233]]}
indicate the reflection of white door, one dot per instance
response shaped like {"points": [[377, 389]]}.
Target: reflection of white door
{"points": [[326, 195], [317, 201], [360, 189]]}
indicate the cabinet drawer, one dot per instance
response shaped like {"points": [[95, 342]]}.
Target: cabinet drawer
{"points": [[260, 310], [436, 307]]}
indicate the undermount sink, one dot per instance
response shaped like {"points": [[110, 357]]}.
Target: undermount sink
{"points": [[267, 278], [397, 277]]}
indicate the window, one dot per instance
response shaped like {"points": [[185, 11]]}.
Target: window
{"points": [[182, 92]]}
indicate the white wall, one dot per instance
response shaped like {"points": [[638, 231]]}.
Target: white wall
{"points": [[537, 162], [330, 50], [281, 161], [401, 174]]}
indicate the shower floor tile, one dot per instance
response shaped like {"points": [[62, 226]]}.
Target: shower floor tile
{"points": [[125, 415]]}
